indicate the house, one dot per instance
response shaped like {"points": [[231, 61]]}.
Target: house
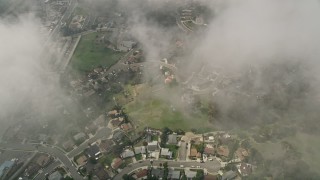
{"points": [[100, 121], [93, 151], [79, 137], [32, 169], [140, 150], [55, 176], [245, 169], [91, 129], [101, 173], [157, 173], [5, 167], [126, 154], [210, 177], [43, 160], [241, 153], [116, 163], [190, 174], [113, 113], [118, 135], [153, 146], [126, 127], [166, 153], [172, 139], [126, 45], [115, 122], [223, 151], [209, 150], [174, 175], [82, 160], [141, 174], [68, 145], [193, 153], [230, 175], [106, 145]]}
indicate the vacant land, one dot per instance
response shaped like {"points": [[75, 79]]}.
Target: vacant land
{"points": [[157, 113], [89, 54]]}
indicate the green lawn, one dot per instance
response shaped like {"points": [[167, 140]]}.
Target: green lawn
{"points": [[158, 114], [89, 55]]}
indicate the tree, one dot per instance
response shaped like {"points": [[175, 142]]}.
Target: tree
{"points": [[199, 175], [165, 171], [127, 177], [183, 175]]}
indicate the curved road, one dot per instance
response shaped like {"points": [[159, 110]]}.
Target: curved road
{"points": [[46, 149]]}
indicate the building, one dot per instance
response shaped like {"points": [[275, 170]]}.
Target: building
{"points": [[174, 175], [190, 174], [55, 176], [230, 175], [79, 137], [241, 153], [116, 163], [223, 151], [82, 160], [118, 135], [153, 146], [5, 167], [142, 174], [140, 150], [244, 169], [166, 153], [126, 127], [32, 169], [172, 139], [193, 153], [43, 160], [209, 150], [157, 173], [106, 145], [68, 145], [101, 173], [93, 151], [126, 45], [126, 154]]}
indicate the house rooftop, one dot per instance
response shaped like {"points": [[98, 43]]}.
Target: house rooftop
{"points": [[229, 175], [93, 151], [153, 146], [127, 153], [79, 136], [55, 176], [142, 173], [173, 174], [140, 150], [5, 165], [172, 139], [116, 163]]}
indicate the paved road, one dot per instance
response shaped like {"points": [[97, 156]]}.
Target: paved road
{"points": [[211, 166], [102, 133], [47, 149]]}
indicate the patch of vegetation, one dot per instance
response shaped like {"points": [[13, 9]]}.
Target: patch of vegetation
{"points": [[107, 159], [138, 157], [158, 114], [89, 55]]}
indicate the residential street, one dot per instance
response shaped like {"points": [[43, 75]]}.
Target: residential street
{"points": [[46, 149], [211, 166]]}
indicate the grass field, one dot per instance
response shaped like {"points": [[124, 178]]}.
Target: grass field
{"points": [[89, 55], [156, 113]]}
